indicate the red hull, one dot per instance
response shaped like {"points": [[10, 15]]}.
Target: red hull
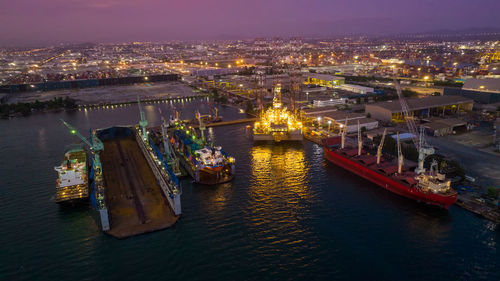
{"points": [[389, 183]]}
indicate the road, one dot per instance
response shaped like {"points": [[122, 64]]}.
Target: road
{"points": [[482, 165]]}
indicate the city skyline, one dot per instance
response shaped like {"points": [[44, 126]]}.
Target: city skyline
{"points": [[29, 22]]}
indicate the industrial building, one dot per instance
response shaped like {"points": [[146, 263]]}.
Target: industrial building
{"points": [[443, 127], [357, 89], [419, 107], [324, 80], [485, 90], [336, 119]]}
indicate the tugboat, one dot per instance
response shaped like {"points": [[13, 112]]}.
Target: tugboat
{"points": [[72, 182]]}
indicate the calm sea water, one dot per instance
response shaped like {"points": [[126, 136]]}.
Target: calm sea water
{"points": [[288, 215]]}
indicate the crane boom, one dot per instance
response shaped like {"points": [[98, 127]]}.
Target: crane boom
{"points": [[422, 147], [410, 122], [400, 157], [74, 131]]}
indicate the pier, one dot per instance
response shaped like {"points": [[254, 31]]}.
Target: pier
{"points": [[227, 123]]}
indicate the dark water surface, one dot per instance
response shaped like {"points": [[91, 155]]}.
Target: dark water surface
{"points": [[288, 215]]}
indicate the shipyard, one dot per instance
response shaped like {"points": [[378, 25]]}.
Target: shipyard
{"points": [[146, 140]]}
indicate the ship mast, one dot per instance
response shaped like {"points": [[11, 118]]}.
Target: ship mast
{"points": [[400, 157], [379, 149], [360, 141], [143, 122]]}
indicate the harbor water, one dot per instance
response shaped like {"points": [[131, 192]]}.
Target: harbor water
{"points": [[287, 215]]}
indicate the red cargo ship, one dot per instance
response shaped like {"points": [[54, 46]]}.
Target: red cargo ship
{"points": [[429, 187]]}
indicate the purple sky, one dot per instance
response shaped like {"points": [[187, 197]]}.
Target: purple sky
{"points": [[51, 21]]}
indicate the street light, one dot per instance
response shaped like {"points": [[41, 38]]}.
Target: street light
{"points": [[329, 124], [307, 96], [319, 121]]}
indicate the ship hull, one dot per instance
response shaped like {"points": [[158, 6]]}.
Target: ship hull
{"points": [[277, 137], [389, 183], [207, 175]]}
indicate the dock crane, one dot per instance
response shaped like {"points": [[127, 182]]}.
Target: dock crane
{"points": [[421, 145], [95, 146]]}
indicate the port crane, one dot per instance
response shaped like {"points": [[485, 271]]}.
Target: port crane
{"points": [[95, 145], [418, 138]]}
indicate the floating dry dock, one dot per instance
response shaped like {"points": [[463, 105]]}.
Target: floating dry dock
{"points": [[139, 195]]}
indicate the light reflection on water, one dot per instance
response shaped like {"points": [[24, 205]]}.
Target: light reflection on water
{"points": [[279, 198]]}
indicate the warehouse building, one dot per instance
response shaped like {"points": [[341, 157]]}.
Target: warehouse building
{"points": [[325, 80], [357, 89], [419, 107], [485, 90], [336, 119]]}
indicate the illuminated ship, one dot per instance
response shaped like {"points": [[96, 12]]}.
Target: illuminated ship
{"points": [[430, 187], [72, 183], [204, 162], [277, 123]]}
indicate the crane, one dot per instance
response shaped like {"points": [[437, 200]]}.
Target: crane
{"points": [[400, 157], [202, 125], [380, 146], [95, 145], [421, 145], [143, 122], [360, 141], [172, 160], [343, 133]]}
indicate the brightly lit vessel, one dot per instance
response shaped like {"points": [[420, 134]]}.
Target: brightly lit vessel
{"points": [[72, 181], [277, 123]]}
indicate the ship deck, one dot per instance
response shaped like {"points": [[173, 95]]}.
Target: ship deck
{"points": [[135, 202]]}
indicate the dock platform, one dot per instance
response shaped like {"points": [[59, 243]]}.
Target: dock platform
{"points": [[135, 201]]}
